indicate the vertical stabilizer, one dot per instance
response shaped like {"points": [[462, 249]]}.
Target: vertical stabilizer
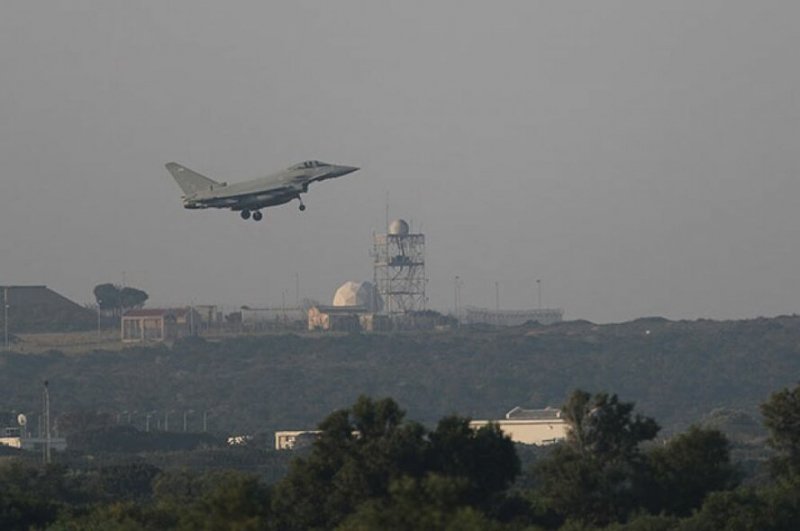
{"points": [[190, 182]]}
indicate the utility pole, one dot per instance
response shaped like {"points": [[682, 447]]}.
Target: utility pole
{"points": [[46, 446], [497, 303], [387, 212], [5, 316], [455, 297], [539, 292]]}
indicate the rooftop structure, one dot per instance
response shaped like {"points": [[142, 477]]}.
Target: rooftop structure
{"points": [[547, 413]]}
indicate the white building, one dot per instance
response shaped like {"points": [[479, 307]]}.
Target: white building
{"points": [[525, 426], [531, 426], [289, 440]]}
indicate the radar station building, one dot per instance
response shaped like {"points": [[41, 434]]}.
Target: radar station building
{"points": [[355, 307]]}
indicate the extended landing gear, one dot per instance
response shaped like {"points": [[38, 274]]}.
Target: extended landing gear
{"points": [[245, 214], [257, 216], [302, 206]]}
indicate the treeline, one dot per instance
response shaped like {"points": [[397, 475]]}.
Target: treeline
{"points": [[372, 469], [678, 372]]}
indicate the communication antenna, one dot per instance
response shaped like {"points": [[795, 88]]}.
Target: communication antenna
{"points": [[539, 292], [386, 226], [46, 446], [497, 303]]}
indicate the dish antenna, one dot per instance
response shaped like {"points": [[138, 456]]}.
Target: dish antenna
{"points": [[22, 420]]}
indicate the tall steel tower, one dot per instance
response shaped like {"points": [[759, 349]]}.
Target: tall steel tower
{"points": [[399, 273]]}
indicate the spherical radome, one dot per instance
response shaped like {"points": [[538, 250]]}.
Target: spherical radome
{"points": [[358, 294], [398, 227]]}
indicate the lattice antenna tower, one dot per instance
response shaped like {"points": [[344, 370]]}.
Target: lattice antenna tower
{"points": [[399, 270]]}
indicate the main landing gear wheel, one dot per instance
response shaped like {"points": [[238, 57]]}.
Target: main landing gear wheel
{"points": [[257, 216], [245, 214]]}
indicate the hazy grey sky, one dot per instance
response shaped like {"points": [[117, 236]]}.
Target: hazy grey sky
{"points": [[639, 157]]}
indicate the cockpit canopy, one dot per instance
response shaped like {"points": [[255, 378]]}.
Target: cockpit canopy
{"points": [[309, 164]]}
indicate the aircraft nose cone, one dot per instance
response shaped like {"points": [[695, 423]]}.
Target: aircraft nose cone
{"points": [[344, 170]]}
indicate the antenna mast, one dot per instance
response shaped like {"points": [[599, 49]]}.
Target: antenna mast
{"points": [[46, 446]]}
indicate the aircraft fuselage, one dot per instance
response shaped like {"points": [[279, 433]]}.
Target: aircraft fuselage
{"points": [[201, 192]]}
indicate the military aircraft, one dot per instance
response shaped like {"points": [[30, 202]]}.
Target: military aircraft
{"points": [[251, 196]]}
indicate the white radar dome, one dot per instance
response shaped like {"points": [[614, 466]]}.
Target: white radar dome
{"points": [[398, 227], [358, 294]]}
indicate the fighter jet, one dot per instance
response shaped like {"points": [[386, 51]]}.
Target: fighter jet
{"points": [[250, 197]]}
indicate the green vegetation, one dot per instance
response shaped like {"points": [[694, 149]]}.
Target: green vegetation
{"points": [[620, 470], [370, 469], [117, 299], [679, 373]]}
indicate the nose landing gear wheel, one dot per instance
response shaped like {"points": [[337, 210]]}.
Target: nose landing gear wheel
{"points": [[257, 216], [245, 214], [302, 207]]}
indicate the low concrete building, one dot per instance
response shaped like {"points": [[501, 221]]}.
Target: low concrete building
{"points": [[347, 319], [525, 426], [272, 318], [18, 438], [210, 316], [159, 324], [531, 426], [292, 440], [375, 322], [336, 318]]}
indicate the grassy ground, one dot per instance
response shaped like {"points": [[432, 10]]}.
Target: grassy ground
{"points": [[76, 343], [68, 342]]}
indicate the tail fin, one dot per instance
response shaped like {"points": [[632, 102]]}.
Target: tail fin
{"points": [[189, 181]]}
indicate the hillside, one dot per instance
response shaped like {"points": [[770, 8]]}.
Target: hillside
{"points": [[677, 372]]}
